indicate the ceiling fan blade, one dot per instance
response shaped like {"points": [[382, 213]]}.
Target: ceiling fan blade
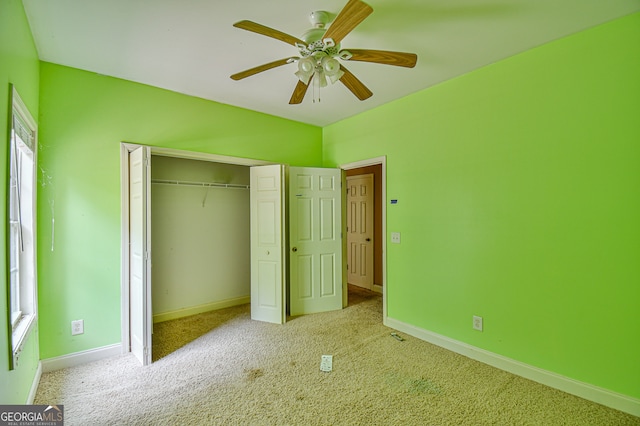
{"points": [[354, 12], [260, 68], [269, 32], [358, 88], [298, 93], [399, 59]]}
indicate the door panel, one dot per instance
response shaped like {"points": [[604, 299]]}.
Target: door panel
{"points": [[267, 244], [360, 230], [328, 275], [139, 256], [315, 240]]}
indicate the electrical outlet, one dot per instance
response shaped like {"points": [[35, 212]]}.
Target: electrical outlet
{"points": [[77, 327], [477, 323], [395, 237]]}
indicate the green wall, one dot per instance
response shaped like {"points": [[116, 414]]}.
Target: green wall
{"points": [[83, 119], [518, 190], [19, 66]]}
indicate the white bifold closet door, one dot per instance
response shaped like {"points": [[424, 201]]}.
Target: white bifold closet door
{"points": [[268, 257], [315, 242], [139, 254]]}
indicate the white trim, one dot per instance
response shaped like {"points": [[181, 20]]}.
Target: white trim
{"points": [[19, 105], [203, 156], [374, 162], [364, 163], [79, 358], [566, 384], [377, 288], [25, 327], [199, 309], [34, 385], [125, 149]]}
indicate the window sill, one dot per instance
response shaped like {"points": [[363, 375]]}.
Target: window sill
{"points": [[21, 331]]}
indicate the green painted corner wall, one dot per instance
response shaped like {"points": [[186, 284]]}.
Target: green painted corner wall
{"points": [[83, 119], [19, 66], [518, 190]]}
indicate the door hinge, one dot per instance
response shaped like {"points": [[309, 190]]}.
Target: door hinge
{"points": [[146, 256]]}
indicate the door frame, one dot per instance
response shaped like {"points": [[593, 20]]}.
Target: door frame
{"points": [[382, 161], [125, 149]]}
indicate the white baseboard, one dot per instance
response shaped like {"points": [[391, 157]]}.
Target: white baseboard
{"points": [[583, 390], [34, 385], [179, 313], [377, 288], [78, 358]]}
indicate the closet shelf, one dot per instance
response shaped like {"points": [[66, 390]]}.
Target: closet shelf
{"points": [[200, 184]]}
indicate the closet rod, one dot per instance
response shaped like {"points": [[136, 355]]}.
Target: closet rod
{"points": [[201, 184]]}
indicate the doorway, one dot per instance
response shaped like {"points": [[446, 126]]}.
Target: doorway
{"points": [[376, 168], [201, 241], [200, 245]]}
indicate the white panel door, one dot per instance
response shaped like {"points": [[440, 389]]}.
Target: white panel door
{"points": [[139, 254], [360, 230], [267, 244], [315, 229]]}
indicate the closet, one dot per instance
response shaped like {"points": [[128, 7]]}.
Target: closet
{"points": [[200, 236]]}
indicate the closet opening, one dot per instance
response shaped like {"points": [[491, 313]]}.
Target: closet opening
{"points": [[200, 243]]}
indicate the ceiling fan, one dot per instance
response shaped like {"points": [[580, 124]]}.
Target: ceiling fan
{"points": [[321, 54]]}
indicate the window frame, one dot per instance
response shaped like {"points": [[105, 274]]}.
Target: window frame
{"points": [[21, 271]]}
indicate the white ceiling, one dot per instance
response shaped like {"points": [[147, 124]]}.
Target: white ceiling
{"points": [[191, 47]]}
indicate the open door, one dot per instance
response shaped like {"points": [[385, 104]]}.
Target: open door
{"points": [[360, 230], [268, 296], [315, 230], [139, 254]]}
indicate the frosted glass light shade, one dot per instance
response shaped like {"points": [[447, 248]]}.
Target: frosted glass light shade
{"points": [[330, 66], [306, 65]]}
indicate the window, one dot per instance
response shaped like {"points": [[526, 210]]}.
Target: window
{"points": [[21, 227]]}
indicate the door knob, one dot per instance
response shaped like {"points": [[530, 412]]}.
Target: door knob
{"points": [[294, 249], [368, 239]]}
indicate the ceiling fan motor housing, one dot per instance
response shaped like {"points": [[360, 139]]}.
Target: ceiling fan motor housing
{"points": [[315, 46], [319, 18]]}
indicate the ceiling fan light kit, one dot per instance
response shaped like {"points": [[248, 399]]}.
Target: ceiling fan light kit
{"points": [[320, 51]]}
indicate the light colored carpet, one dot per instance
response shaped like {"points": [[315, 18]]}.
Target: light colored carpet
{"points": [[243, 372]]}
